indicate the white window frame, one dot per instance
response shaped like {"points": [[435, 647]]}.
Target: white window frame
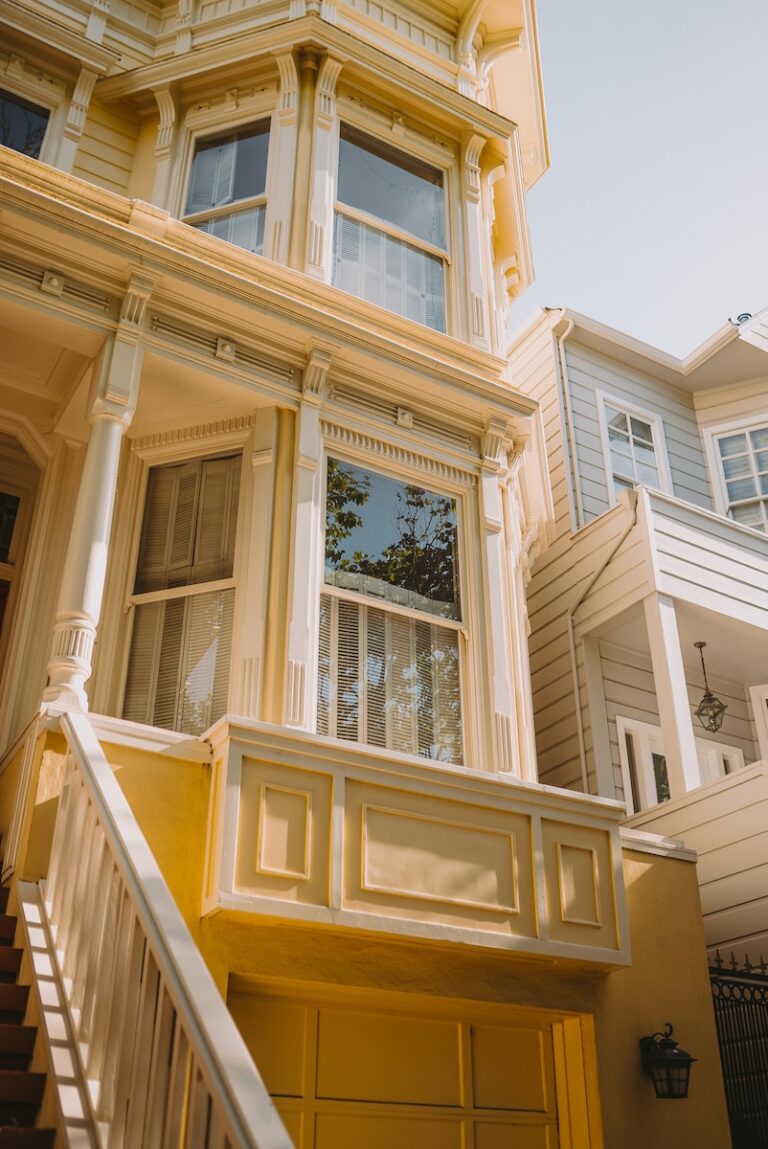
{"points": [[463, 627], [199, 124], [445, 160], [47, 93], [605, 399], [715, 759], [115, 640], [758, 696], [719, 489]]}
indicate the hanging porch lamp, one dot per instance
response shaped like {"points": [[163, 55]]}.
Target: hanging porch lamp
{"points": [[668, 1066], [710, 711]]}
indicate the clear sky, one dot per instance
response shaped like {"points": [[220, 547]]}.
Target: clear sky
{"points": [[653, 217]]}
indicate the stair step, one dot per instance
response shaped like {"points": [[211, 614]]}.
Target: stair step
{"points": [[17, 1043], [13, 1002], [10, 961], [4, 892], [12, 1137], [21, 1088], [7, 929]]}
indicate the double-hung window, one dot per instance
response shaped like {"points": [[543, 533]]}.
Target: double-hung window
{"points": [[390, 616], [633, 448], [743, 459], [183, 596], [390, 242], [22, 124], [227, 186]]}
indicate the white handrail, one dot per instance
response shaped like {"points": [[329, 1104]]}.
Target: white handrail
{"points": [[167, 1065]]}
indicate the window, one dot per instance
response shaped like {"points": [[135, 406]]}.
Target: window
{"points": [[743, 459], [227, 185], [9, 513], [22, 124], [178, 671], [390, 616], [390, 229], [644, 764], [632, 445]]}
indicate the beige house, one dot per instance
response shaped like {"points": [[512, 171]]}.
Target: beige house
{"points": [[656, 542], [273, 827]]}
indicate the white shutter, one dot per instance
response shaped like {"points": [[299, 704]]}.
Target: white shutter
{"points": [[139, 699], [434, 293], [212, 177], [375, 678], [205, 660], [326, 663], [158, 512], [347, 263], [375, 251], [447, 741], [348, 672]]}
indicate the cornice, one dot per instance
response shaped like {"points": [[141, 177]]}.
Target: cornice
{"points": [[362, 60], [57, 37], [191, 263]]}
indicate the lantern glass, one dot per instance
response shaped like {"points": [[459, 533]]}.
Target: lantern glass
{"points": [[668, 1066]]}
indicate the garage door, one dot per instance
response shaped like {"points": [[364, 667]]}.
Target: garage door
{"points": [[347, 1075]]}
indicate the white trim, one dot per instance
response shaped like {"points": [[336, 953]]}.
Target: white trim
{"points": [[648, 740], [47, 93], [710, 436], [758, 696], [659, 442]]}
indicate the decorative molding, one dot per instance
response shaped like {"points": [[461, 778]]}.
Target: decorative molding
{"points": [[495, 438], [316, 373], [97, 20], [478, 315], [404, 418], [167, 106], [289, 86], [392, 453], [210, 343], [316, 243], [472, 151], [74, 640], [185, 14], [422, 34], [330, 69], [78, 104], [297, 684], [505, 743], [226, 350], [240, 425], [52, 283], [250, 669], [136, 299]]}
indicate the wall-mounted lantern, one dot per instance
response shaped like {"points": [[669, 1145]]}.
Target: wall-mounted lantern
{"points": [[668, 1066], [710, 711]]}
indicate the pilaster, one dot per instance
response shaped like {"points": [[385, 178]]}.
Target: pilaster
{"points": [[282, 164], [477, 245], [672, 694], [325, 152], [75, 121]]}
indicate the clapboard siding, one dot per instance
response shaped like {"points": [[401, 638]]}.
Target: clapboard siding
{"points": [[588, 373], [725, 823], [107, 148], [729, 404]]}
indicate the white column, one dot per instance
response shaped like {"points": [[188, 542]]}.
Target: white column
{"points": [[82, 587], [476, 246], [282, 161], [498, 620], [324, 172], [672, 695], [598, 718], [306, 557]]}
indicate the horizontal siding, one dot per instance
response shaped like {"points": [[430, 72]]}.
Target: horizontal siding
{"points": [[107, 149], [589, 372], [728, 404], [726, 824]]}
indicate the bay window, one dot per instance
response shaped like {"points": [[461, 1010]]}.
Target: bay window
{"points": [[227, 186], [183, 596], [390, 241], [390, 616], [743, 459], [22, 124]]}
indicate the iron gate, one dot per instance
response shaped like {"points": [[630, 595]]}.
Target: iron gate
{"points": [[740, 999]]}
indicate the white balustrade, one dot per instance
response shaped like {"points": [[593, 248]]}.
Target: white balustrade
{"points": [[164, 1062]]}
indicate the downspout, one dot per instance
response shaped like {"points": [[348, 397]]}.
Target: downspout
{"points": [[631, 497], [565, 393]]}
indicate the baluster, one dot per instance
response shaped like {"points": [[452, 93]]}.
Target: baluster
{"points": [[74, 863], [126, 1044], [139, 1078], [82, 900], [119, 912], [128, 971], [198, 1111], [216, 1132], [159, 1073], [177, 1089], [91, 938], [62, 840]]}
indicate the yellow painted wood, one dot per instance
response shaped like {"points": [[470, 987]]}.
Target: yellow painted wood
{"points": [[276, 1034], [359, 1131], [512, 1068]]}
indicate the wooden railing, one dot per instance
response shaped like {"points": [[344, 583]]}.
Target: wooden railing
{"points": [[165, 1065]]}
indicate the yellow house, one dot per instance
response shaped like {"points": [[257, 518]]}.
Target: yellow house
{"points": [[269, 498]]}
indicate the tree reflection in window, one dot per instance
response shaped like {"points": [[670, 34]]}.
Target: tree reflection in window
{"points": [[22, 124]]}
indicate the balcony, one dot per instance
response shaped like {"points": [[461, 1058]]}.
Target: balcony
{"points": [[321, 831]]}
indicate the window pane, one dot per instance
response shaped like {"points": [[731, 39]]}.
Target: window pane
{"points": [[22, 125], [388, 272], [229, 168], [391, 185], [749, 515], [736, 466], [641, 430], [9, 507], [393, 681], [759, 437], [741, 489], [648, 476], [242, 228], [660, 777], [391, 540], [732, 445], [617, 421]]}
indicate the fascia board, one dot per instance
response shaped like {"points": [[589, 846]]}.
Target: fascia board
{"points": [[310, 31]]}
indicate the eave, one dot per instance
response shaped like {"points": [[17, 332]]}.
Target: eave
{"points": [[57, 38]]}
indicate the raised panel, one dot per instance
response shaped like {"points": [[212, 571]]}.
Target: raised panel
{"points": [[497, 1136], [359, 1131], [283, 842], [276, 1035], [511, 1068], [578, 880], [388, 1058], [578, 873]]}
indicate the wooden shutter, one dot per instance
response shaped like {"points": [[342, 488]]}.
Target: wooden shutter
{"points": [[212, 178], [347, 264]]}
